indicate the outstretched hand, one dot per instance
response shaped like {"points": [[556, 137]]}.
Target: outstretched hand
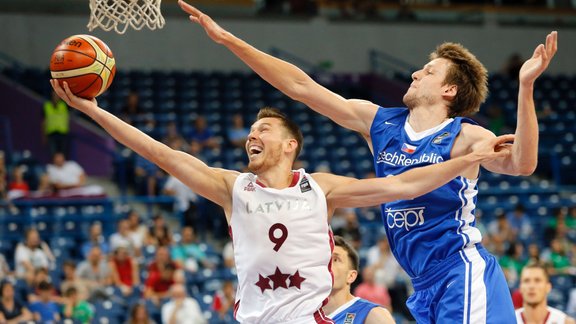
{"points": [[543, 54], [493, 148], [213, 30], [71, 99]]}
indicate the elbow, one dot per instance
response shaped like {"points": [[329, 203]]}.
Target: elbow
{"points": [[527, 169]]}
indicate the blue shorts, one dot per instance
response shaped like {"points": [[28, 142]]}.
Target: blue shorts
{"points": [[468, 287]]}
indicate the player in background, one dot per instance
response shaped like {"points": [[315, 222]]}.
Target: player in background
{"points": [[534, 287], [279, 217], [433, 237], [342, 306]]}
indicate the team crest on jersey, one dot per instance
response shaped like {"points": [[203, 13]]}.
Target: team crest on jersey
{"points": [[438, 139], [305, 185], [349, 319], [407, 148], [250, 187]]}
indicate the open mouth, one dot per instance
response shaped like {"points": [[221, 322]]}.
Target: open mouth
{"points": [[254, 151]]}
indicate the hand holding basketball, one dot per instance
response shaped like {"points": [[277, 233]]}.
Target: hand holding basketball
{"points": [[86, 63]]}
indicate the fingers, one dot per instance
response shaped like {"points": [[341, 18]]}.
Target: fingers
{"points": [[502, 139], [552, 43], [188, 8]]}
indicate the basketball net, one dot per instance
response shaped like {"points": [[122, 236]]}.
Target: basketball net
{"points": [[119, 14]]}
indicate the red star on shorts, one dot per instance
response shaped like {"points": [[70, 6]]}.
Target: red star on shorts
{"points": [[296, 280], [279, 279], [263, 283]]}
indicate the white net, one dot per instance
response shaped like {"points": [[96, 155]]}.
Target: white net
{"points": [[119, 14]]}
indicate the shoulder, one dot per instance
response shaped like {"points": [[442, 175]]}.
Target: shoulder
{"points": [[474, 131], [379, 314]]}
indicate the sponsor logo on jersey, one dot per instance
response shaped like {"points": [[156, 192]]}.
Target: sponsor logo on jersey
{"points": [[276, 206], [349, 319], [401, 159], [305, 185], [438, 139], [407, 148], [405, 218], [250, 187]]}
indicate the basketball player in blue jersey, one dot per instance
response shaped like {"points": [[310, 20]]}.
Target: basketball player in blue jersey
{"points": [[343, 307], [433, 237]]}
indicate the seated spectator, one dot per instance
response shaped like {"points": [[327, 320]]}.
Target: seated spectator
{"points": [[187, 254], [136, 228], [162, 259], [131, 111], [76, 308], [32, 254], [186, 200], [70, 280], [124, 270], [30, 290], [520, 223], [351, 229], [139, 315], [123, 237], [147, 176], [203, 136], [18, 187], [238, 133], [94, 273], [11, 310], [158, 233], [372, 291], [45, 310], [95, 238], [181, 309], [157, 286], [173, 138], [65, 174], [224, 299]]}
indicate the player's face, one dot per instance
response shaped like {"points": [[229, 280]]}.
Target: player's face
{"points": [[341, 269], [427, 86], [534, 287], [265, 144]]}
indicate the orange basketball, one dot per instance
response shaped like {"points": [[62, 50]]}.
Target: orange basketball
{"points": [[86, 63]]}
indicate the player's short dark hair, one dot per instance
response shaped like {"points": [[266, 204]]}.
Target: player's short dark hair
{"points": [[352, 254], [291, 127], [538, 265], [468, 74]]}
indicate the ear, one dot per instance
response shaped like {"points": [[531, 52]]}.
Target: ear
{"points": [[449, 91], [291, 145], [351, 277]]}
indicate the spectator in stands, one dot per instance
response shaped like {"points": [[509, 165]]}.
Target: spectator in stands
{"points": [[161, 260], [512, 263], [188, 254], [56, 125], [557, 256], [65, 174], [511, 68], [372, 291], [173, 138], [181, 309], [501, 233], [535, 286], [28, 290], [137, 229], [202, 136], [76, 308], [238, 133], [45, 310], [11, 310], [158, 283], [131, 110], [18, 187], [124, 238], [186, 200], [147, 176], [124, 270], [95, 238], [351, 229], [139, 315], [224, 300], [70, 280], [533, 253], [95, 274], [159, 233], [520, 223], [32, 254]]}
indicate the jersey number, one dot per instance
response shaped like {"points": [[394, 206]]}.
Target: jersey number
{"points": [[278, 240]]}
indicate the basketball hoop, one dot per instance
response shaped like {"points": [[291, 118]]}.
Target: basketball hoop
{"points": [[119, 14]]}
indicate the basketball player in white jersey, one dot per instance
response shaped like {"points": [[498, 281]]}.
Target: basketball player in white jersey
{"points": [[278, 217], [534, 288], [342, 306]]}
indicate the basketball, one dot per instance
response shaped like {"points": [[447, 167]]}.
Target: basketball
{"points": [[86, 63]]}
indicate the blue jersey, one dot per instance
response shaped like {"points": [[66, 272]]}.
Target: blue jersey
{"points": [[426, 230], [353, 312]]}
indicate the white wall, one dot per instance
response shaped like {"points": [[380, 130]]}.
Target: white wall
{"points": [[182, 45]]}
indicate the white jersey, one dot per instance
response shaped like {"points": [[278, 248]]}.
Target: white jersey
{"points": [[555, 316], [282, 249]]}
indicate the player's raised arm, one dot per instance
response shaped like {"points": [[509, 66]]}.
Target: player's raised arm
{"points": [[289, 79], [211, 183], [524, 157], [350, 192]]}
